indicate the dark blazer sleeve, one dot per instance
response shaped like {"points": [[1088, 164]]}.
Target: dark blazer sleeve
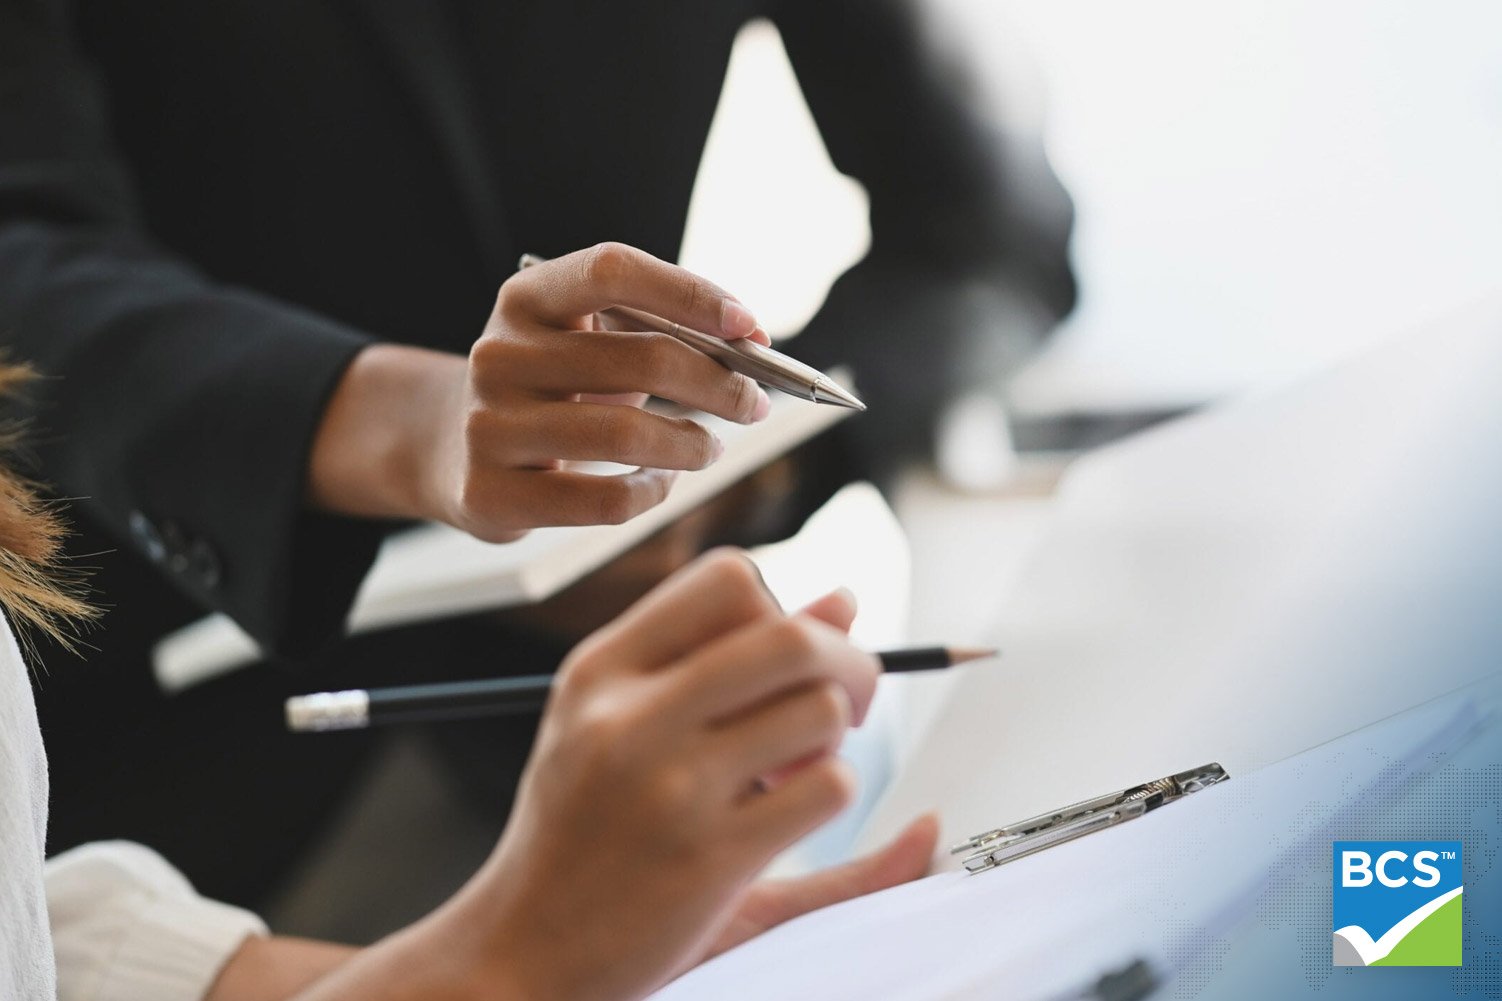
{"points": [[968, 268], [177, 411]]}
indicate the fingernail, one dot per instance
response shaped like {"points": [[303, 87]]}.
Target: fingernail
{"points": [[847, 595], [763, 405], [716, 448], [735, 320]]}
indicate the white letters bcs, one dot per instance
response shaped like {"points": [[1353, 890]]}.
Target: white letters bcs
{"points": [[1356, 869]]}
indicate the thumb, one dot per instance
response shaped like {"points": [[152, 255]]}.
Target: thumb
{"points": [[837, 608], [771, 902], [904, 858]]}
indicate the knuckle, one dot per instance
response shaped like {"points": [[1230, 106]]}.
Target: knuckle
{"points": [[795, 640], [620, 436], [488, 352], [700, 445], [743, 397], [602, 744], [731, 569], [482, 513], [830, 708], [615, 503], [590, 666], [514, 300], [734, 581], [834, 784], [607, 264], [589, 652], [691, 445], [480, 425], [577, 676], [693, 296], [661, 355], [481, 516], [475, 500], [505, 297], [571, 684], [503, 359], [673, 788]]}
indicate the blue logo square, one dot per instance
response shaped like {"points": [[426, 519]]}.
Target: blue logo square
{"points": [[1397, 903]]}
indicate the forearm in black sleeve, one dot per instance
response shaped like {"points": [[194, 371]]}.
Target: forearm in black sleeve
{"points": [[968, 268], [179, 412]]}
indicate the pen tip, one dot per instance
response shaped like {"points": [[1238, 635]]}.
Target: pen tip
{"points": [[963, 655], [828, 392]]}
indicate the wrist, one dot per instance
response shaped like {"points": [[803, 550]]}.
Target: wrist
{"points": [[436, 959], [376, 451], [480, 959]]}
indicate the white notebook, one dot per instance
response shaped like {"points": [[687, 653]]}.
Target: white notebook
{"points": [[435, 571]]}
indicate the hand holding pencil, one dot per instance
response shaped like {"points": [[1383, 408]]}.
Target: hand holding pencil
{"points": [[684, 745]]}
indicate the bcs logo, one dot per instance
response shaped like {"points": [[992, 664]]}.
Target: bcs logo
{"points": [[1397, 903]]}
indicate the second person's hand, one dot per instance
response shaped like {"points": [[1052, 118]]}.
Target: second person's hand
{"points": [[481, 442], [685, 744]]}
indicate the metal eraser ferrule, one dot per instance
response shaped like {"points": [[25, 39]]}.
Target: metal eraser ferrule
{"points": [[328, 711]]}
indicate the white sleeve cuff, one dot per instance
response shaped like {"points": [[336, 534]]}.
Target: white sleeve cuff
{"points": [[126, 926]]}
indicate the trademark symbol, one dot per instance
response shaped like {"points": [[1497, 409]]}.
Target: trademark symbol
{"points": [[1447, 855]]}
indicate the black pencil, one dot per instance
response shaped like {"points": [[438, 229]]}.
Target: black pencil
{"points": [[450, 700]]}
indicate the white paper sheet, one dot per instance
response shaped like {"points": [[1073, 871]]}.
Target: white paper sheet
{"points": [[1163, 888], [1237, 587]]}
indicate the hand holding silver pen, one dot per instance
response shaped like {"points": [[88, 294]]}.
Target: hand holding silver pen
{"points": [[768, 367], [487, 441]]}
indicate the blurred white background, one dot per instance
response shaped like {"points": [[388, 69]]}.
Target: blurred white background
{"points": [[1260, 188]]}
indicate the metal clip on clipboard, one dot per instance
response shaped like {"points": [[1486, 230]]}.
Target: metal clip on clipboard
{"points": [[1007, 844]]}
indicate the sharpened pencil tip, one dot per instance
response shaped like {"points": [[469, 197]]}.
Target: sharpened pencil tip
{"points": [[963, 655]]}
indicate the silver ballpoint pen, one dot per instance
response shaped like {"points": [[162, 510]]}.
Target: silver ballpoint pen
{"points": [[768, 367]]}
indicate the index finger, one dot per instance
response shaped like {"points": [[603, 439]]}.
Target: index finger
{"points": [[755, 663], [719, 592], [613, 274]]}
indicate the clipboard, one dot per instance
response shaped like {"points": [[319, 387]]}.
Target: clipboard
{"points": [[1007, 844]]}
